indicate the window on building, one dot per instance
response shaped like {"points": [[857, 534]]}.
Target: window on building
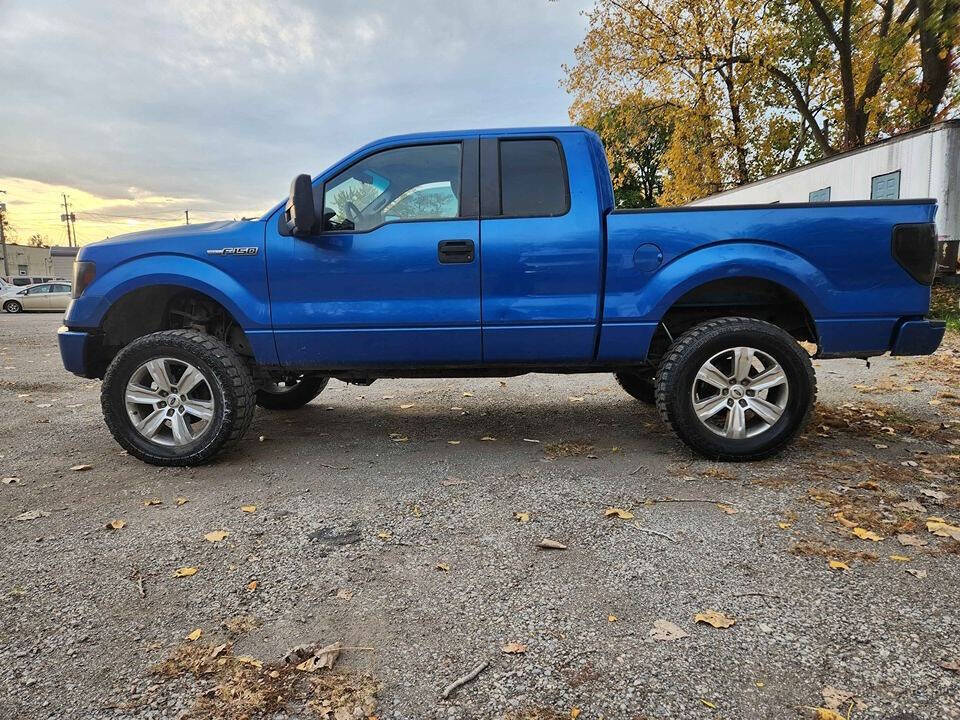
{"points": [[821, 195], [420, 182], [885, 187], [532, 178], [22, 269]]}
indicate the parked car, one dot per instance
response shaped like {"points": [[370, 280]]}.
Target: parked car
{"points": [[494, 253], [24, 280], [49, 297]]}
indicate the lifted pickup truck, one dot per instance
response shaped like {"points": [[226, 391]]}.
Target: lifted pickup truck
{"points": [[494, 253]]}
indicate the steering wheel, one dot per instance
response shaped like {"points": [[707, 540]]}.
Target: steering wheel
{"points": [[353, 213]]}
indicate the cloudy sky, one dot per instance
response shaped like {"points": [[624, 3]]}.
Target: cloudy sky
{"points": [[141, 110]]}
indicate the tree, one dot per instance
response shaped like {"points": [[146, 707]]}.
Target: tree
{"points": [[37, 240]]}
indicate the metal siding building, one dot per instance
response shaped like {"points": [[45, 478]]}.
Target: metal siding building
{"points": [[923, 163]]}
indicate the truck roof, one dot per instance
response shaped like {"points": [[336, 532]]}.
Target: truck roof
{"points": [[444, 134]]}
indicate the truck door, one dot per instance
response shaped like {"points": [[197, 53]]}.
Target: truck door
{"points": [[391, 277], [542, 248]]}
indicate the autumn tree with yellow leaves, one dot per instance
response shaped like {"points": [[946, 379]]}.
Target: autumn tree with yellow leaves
{"points": [[750, 88]]}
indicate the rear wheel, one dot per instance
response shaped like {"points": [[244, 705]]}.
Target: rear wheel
{"points": [[12, 306], [639, 384], [177, 397], [736, 388], [291, 392]]}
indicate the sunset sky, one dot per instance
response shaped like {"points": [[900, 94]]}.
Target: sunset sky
{"points": [[140, 111]]}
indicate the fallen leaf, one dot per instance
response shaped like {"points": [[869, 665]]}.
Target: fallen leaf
{"points": [[521, 517], [937, 495], [248, 660], [81, 468], [216, 536], [116, 524], [919, 574], [487, 438], [218, 651], [530, 440], [11, 481], [714, 619], [575, 399], [911, 540], [453, 442], [728, 509], [784, 525], [384, 535], [407, 406], [513, 648], [152, 501], [398, 438], [252, 585], [181, 501], [952, 665], [942, 529], [325, 657], [709, 704], [881, 446], [443, 566], [618, 512], [195, 635], [900, 558], [344, 594], [612, 618], [837, 565], [185, 572], [32, 515], [826, 714], [864, 534], [665, 631], [548, 544], [911, 505], [468, 394], [843, 521], [574, 713], [248, 508]]}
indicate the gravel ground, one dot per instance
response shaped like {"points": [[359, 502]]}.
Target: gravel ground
{"points": [[393, 529]]}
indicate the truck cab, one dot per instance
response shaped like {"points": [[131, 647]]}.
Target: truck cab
{"points": [[493, 253]]}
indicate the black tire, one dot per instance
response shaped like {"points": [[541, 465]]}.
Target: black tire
{"points": [[293, 397], [638, 384], [678, 371], [231, 388], [12, 306]]}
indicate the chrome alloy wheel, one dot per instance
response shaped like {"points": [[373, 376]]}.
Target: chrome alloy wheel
{"points": [[740, 392], [169, 402]]}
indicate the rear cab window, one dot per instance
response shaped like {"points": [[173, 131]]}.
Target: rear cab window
{"points": [[533, 178]]}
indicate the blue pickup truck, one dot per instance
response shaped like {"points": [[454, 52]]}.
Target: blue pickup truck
{"points": [[489, 253]]}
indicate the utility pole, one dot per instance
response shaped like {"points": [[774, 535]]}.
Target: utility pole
{"points": [[3, 239], [187, 213], [73, 221], [65, 217]]}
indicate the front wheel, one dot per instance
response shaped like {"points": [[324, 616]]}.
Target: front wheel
{"points": [[290, 393], [177, 397], [12, 306], [736, 388]]}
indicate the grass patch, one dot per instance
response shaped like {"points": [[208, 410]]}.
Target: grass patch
{"points": [[945, 305]]}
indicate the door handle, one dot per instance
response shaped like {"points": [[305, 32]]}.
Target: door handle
{"points": [[455, 251]]}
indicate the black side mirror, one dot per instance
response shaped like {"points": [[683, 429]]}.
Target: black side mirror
{"points": [[299, 213]]}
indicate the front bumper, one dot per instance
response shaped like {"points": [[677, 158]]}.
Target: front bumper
{"points": [[918, 337], [74, 350]]}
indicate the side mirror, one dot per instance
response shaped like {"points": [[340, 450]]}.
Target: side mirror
{"points": [[299, 213]]}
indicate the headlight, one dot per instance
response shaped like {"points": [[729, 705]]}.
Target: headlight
{"points": [[83, 275]]}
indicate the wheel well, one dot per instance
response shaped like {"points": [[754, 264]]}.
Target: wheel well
{"points": [[166, 307], [735, 297]]}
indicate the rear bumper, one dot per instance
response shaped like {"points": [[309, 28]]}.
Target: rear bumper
{"points": [[74, 350], [918, 337]]}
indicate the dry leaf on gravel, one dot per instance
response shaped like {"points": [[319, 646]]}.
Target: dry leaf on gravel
{"points": [[521, 517], [911, 505], [152, 501], [942, 529], [843, 521], [32, 515], [325, 657], [548, 544], [728, 509], [514, 648], [714, 619], [951, 665], [837, 565], [216, 536], [900, 558], [618, 512], [81, 468], [116, 524], [252, 585], [612, 618], [865, 534], [11, 481], [407, 406], [833, 697], [825, 714], [181, 501], [574, 713], [937, 495], [443, 567], [487, 438], [249, 660], [195, 635], [398, 437], [919, 574], [665, 631], [248, 508], [911, 540], [185, 572]]}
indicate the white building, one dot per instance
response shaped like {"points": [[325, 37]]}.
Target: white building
{"points": [[923, 163]]}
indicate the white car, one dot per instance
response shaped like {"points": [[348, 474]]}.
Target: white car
{"points": [[49, 297]]}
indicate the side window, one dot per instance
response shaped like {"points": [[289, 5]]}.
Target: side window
{"points": [[39, 290], [885, 187], [533, 181], [420, 182], [821, 195], [61, 289]]}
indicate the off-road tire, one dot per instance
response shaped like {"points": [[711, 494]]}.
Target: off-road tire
{"points": [[676, 374], [229, 379], [12, 306], [638, 384], [296, 397]]}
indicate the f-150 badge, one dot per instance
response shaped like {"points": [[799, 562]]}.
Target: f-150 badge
{"points": [[234, 251]]}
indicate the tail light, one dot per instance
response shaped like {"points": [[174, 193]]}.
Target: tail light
{"points": [[914, 246], [83, 275]]}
